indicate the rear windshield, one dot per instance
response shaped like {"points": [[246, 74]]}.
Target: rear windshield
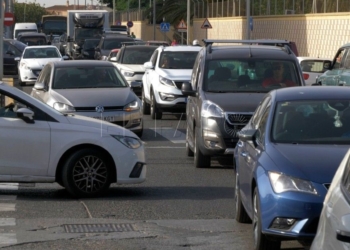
{"points": [[312, 66], [33, 40], [250, 75], [116, 43], [137, 55], [24, 30], [177, 59]]}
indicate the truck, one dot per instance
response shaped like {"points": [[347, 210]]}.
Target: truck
{"points": [[53, 25], [84, 24]]}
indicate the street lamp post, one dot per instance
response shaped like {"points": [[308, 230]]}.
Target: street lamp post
{"points": [[24, 13]]}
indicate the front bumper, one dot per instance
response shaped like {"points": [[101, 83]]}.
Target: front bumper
{"points": [[170, 99], [29, 75]]}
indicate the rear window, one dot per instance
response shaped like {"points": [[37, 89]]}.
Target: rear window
{"points": [[250, 75], [109, 44], [312, 66], [177, 59], [33, 40], [137, 55]]}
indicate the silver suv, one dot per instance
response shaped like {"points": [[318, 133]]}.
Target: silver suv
{"points": [[227, 84], [168, 68]]}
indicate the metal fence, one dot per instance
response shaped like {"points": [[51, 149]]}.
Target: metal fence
{"points": [[230, 8]]}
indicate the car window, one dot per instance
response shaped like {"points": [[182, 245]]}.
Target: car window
{"points": [[312, 66], [250, 75], [109, 44], [30, 41], [88, 77], [137, 55], [47, 76], [345, 182], [312, 122], [260, 110], [262, 126], [347, 61], [338, 61], [196, 71], [177, 59], [42, 74]]}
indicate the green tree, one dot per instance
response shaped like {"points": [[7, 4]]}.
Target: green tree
{"points": [[29, 12]]}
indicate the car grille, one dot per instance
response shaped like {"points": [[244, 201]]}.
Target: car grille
{"points": [[179, 84], [234, 122], [93, 109], [36, 72]]}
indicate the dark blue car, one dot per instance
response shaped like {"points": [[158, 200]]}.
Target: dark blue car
{"points": [[286, 158]]}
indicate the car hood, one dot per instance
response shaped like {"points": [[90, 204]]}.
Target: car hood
{"points": [[94, 97], [39, 62], [235, 102], [132, 67], [317, 163], [176, 74]]}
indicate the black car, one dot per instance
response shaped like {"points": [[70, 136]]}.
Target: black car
{"points": [[11, 50], [33, 38], [227, 85], [88, 49], [109, 42]]}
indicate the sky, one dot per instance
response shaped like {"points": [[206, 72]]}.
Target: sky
{"points": [[49, 3]]}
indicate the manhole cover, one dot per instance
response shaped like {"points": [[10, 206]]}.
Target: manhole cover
{"points": [[98, 228]]}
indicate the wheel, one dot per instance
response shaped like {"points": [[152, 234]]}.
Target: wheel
{"points": [[241, 214], [155, 113], [200, 160], [261, 242], [146, 108], [86, 173], [189, 151]]}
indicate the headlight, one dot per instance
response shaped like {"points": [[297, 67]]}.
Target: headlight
{"points": [[132, 106], [210, 109], [127, 141], [62, 107], [166, 81], [128, 73], [23, 65], [284, 183]]}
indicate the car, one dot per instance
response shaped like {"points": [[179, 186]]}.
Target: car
{"points": [[333, 231], [88, 49], [108, 42], [166, 70], [286, 158], [312, 67], [82, 154], [130, 60], [227, 84], [337, 70], [91, 88], [157, 43], [32, 38], [11, 49], [275, 42], [33, 59]]}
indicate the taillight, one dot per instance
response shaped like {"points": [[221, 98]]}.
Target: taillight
{"points": [[306, 76]]}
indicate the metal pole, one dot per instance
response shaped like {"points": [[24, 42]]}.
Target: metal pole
{"points": [[2, 13], [154, 19], [188, 22], [248, 18], [113, 12], [24, 13]]}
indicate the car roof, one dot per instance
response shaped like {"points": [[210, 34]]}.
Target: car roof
{"points": [[180, 48], [40, 46], [311, 92], [81, 63], [31, 34], [302, 58], [140, 46]]}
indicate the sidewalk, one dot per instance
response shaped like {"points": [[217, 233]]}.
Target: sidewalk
{"points": [[8, 80]]}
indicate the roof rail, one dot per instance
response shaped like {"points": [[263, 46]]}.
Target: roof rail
{"points": [[274, 42]]}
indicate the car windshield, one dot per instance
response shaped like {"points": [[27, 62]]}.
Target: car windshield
{"points": [[250, 75], [88, 77], [81, 33], [177, 59], [312, 122], [312, 66], [90, 43], [54, 25], [41, 53], [137, 55], [33, 40]]}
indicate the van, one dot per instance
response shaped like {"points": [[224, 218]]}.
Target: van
{"points": [[24, 27]]}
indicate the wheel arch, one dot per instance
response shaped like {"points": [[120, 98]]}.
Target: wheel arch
{"points": [[70, 151]]}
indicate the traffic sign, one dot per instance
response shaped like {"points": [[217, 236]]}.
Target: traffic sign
{"points": [[164, 27], [129, 24], [9, 19], [182, 25], [206, 24]]}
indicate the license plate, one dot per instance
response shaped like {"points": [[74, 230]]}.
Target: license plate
{"points": [[105, 118]]}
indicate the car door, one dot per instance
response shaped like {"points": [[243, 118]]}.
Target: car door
{"points": [[250, 151], [25, 146], [332, 77], [150, 75]]}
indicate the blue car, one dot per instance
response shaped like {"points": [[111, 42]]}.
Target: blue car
{"points": [[286, 158]]}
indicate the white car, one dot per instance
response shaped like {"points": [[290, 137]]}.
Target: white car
{"points": [[312, 67], [84, 155], [333, 230], [33, 59], [167, 69]]}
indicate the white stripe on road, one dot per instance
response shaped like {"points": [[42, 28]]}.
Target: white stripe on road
{"points": [[7, 239], [7, 222], [9, 186], [171, 134], [6, 207]]}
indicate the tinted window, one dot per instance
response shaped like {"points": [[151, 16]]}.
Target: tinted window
{"points": [[137, 55], [41, 53], [34, 40], [312, 66], [177, 59], [116, 43]]}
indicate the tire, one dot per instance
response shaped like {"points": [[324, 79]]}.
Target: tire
{"points": [[261, 242], [146, 108], [189, 151], [200, 160], [155, 113], [80, 168], [241, 214]]}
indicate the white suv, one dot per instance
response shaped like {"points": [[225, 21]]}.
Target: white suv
{"points": [[168, 68]]}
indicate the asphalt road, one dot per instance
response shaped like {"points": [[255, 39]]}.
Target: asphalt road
{"points": [[178, 207]]}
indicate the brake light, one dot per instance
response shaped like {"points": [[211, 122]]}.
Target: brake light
{"points": [[306, 76]]}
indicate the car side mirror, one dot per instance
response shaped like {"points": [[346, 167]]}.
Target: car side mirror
{"points": [[39, 86], [247, 135], [186, 89], [17, 59], [112, 59], [327, 65], [25, 114], [148, 65]]}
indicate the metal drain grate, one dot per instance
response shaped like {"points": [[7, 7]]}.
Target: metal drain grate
{"points": [[98, 228]]}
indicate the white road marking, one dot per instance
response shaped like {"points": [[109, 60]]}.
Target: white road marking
{"points": [[9, 186], [6, 207], [7, 222], [7, 239], [171, 134]]}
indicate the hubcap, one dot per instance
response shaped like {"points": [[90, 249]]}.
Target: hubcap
{"points": [[90, 174]]}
